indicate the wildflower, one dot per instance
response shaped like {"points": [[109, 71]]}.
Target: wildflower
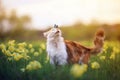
{"points": [[112, 56], [11, 48], [2, 46], [8, 53], [36, 54], [85, 67], [25, 56], [95, 65], [17, 56], [104, 50], [4, 51], [116, 50], [78, 70], [32, 50], [30, 46], [26, 51], [29, 67], [105, 46], [47, 59], [22, 44], [11, 43], [33, 65], [42, 46], [20, 50], [102, 57], [36, 65], [14, 54]]}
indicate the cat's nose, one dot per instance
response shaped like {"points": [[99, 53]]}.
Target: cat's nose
{"points": [[58, 31]]}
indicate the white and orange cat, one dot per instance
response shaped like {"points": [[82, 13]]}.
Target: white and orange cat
{"points": [[63, 52]]}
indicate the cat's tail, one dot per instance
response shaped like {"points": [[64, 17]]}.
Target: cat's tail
{"points": [[98, 42]]}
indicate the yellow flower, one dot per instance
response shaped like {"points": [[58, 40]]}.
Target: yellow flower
{"points": [[17, 57], [47, 59], [2, 46], [11, 43], [29, 67], [42, 46], [116, 50], [33, 65], [4, 50], [26, 50], [25, 56], [8, 53], [22, 44], [85, 67], [32, 50], [112, 56], [105, 46], [13, 54], [95, 65], [78, 70], [19, 50], [30, 46], [36, 65], [104, 50], [102, 57], [11, 48], [36, 54]]}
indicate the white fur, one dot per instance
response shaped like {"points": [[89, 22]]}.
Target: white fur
{"points": [[56, 48]]}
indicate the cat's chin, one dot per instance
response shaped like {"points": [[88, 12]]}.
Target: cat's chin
{"points": [[57, 36]]}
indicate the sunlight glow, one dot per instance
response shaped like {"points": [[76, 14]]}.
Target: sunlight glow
{"points": [[48, 12]]}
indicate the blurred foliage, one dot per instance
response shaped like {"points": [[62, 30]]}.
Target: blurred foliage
{"points": [[86, 32], [13, 26], [29, 61], [16, 27]]}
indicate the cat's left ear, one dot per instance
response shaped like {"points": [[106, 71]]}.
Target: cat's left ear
{"points": [[55, 26]]}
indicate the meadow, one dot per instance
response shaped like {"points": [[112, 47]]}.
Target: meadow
{"points": [[29, 61]]}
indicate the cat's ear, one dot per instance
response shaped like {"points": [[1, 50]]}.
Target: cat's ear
{"points": [[55, 26]]}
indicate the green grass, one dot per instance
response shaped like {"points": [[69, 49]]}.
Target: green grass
{"points": [[11, 69]]}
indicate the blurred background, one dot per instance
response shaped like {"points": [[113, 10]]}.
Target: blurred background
{"points": [[26, 20]]}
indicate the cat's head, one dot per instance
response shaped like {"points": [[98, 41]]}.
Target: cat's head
{"points": [[53, 32]]}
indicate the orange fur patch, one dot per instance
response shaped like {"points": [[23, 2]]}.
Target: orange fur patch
{"points": [[75, 51]]}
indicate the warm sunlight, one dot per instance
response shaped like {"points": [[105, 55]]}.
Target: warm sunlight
{"points": [[62, 12], [59, 39]]}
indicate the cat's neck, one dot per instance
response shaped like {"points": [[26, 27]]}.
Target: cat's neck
{"points": [[55, 42], [55, 39]]}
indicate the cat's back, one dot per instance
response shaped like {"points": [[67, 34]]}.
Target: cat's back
{"points": [[75, 45], [75, 50]]}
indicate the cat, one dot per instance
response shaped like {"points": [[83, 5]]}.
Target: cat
{"points": [[63, 52]]}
